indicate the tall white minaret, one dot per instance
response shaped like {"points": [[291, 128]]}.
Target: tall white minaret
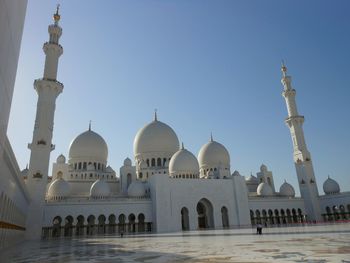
{"points": [[48, 88], [302, 157]]}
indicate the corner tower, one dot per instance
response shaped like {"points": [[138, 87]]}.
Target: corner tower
{"points": [[48, 88], [302, 157]]}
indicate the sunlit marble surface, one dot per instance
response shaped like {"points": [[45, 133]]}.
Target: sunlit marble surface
{"points": [[294, 244]]}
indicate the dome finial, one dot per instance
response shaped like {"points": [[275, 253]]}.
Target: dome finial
{"points": [[155, 115], [182, 146], [211, 136], [284, 69], [90, 125], [56, 16]]}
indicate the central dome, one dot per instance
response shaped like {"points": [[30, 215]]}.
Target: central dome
{"points": [[156, 137], [88, 145]]}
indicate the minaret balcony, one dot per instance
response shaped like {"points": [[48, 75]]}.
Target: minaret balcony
{"points": [[289, 93], [45, 83], [52, 46], [294, 120]]}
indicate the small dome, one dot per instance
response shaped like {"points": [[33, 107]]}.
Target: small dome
{"points": [[264, 189], [109, 169], [263, 168], [236, 173], [59, 188], [24, 172], [331, 186], [210, 174], [156, 137], [61, 159], [89, 145], [213, 154], [127, 162], [183, 162], [100, 189], [252, 180], [136, 189], [287, 189]]}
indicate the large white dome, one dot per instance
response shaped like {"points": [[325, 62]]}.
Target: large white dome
{"points": [[183, 162], [264, 189], [287, 190], [100, 189], [59, 188], [89, 145], [331, 186], [156, 137], [213, 154]]}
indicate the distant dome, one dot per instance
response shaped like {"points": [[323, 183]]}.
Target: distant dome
{"points": [[210, 174], [331, 186], [264, 189], [287, 189], [236, 173], [127, 162], [136, 189], [24, 172], [252, 180], [156, 137], [61, 159], [109, 169], [263, 168], [59, 188], [183, 162], [100, 189], [89, 145], [213, 154]]}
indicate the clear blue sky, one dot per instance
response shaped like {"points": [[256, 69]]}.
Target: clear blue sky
{"points": [[206, 66]]}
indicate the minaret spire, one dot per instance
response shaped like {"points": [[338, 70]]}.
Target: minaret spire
{"points": [[48, 89], [302, 156], [155, 115], [90, 125]]}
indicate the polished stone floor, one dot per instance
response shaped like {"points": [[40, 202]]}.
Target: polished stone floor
{"points": [[329, 243]]}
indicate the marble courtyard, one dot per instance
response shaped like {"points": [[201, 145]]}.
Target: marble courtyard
{"points": [[320, 243]]}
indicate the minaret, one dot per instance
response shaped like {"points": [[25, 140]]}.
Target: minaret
{"points": [[48, 88], [302, 157]]}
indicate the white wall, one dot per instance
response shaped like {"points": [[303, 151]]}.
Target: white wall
{"points": [[13, 196], [170, 195]]}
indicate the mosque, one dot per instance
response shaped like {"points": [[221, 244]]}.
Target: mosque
{"points": [[165, 188]]}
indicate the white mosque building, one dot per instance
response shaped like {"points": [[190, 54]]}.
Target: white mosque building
{"points": [[166, 188]]}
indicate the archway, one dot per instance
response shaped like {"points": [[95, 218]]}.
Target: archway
{"points": [[80, 226], [184, 219], [111, 224], [121, 223], [68, 226], [205, 214], [131, 219], [141, 222], [224, 217], [56, 226], [101, 224], [91, 225], [252, 217]]}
